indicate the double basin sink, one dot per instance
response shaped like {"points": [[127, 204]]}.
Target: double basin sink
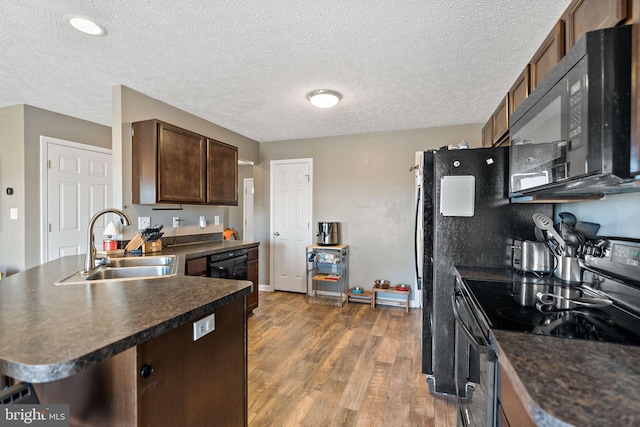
{"points": [[126, 268]]}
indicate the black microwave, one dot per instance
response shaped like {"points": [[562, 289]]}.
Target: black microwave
{"points": [[571, 136]]}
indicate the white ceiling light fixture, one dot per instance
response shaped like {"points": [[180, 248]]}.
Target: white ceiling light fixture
{"points": [[324, 98], [86, 25]]}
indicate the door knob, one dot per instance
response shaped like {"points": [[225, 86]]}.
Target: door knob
{"points": [[276, 234]]}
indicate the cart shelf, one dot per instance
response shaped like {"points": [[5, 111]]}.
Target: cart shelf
{"points": [[327, 274]]}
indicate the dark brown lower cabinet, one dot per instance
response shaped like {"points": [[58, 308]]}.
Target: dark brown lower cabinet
{"points": [[252, 276], [510, 410], [170, 380]]}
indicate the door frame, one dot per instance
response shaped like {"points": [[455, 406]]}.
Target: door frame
{"points": [[273, 163], [44, 183], [248, 209]]}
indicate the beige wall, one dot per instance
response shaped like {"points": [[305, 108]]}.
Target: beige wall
{"points": [[364, 182], [131, 106], [20, 131], [12, 249]]}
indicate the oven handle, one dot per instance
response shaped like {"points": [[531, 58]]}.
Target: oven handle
{"points": [[472, 340]]}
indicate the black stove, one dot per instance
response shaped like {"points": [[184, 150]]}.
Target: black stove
{"points": [[611, 278], [515, 307]]}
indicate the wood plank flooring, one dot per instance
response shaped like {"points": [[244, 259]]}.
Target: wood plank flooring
{"points": [[316, 365]]}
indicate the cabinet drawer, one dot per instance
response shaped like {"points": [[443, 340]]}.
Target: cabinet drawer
{"points": [[252, 253]]}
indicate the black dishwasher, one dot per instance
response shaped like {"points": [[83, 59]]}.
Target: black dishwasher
{"points": [[229, 265]]}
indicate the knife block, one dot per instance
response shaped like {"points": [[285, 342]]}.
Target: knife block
{"points": [[155, 246]]}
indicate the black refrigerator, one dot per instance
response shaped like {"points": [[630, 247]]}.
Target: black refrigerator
{"points": [[468, 220]]}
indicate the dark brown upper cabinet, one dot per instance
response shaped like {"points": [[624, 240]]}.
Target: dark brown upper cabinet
{"points": [[548, 55], [587, 15], [501, 121], [222, 173], [520, 90], [487, 133], [173, 165]]}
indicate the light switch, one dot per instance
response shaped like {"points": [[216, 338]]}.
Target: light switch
{"points": [[144, 222], [13, 213], [216, 220]]}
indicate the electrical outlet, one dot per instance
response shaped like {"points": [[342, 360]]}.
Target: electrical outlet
{"points": [[216, 220], [204, 326], [176, 221], [203, 221], [144, 222]]}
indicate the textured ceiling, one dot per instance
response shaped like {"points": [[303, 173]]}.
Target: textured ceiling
{"points": [[247, 64]]}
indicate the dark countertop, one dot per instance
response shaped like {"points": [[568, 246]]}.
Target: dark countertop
{"points": [[51, 332], [565, 381]]}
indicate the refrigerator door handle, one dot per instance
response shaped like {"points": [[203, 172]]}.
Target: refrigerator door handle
{"points": [[415, 238]]}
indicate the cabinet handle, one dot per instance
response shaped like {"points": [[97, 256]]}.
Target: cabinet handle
{"points": [[146, 371]]}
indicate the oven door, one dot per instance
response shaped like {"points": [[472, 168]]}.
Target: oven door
{"points": [[474, 367]]}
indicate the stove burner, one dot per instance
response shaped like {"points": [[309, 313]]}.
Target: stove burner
{"points": [[522, 315], [511, 307]]}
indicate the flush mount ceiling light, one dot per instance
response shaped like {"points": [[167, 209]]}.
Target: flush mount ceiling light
{"points": [[324, 98], [86, 25]]}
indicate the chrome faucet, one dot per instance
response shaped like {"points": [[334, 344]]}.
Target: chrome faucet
{"points": [[90, 260]]}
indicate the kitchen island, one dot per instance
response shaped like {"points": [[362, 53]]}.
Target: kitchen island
{"points": [[122, 352]]}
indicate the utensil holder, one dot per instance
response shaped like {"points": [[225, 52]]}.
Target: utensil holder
{"points": [[568, 269]]}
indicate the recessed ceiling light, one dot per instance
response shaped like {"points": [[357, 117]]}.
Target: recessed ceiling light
{"points": [[324, 98], [86, 25]]}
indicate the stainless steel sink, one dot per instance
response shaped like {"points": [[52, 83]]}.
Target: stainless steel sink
{"points": [[128, 268], [138, 261]]}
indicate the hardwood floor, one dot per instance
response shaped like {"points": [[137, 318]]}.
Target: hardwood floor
{"points": [[316, 365]]}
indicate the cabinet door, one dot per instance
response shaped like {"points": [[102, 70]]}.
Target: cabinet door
{"points": [[501, 120], [196, 267], [548, 55], [252, 275], [487, 133], [222, 174], [181, 165], [196, 383], [509, 402], [519, 91], [587, 15]]}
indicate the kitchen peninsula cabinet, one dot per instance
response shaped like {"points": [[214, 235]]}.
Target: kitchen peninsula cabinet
{"points": [[169, 380], [174, 165], [195, 383]]}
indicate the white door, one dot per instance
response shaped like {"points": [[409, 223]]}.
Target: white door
{"points": [[78, 184], [291, 201], [247, 210]]}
